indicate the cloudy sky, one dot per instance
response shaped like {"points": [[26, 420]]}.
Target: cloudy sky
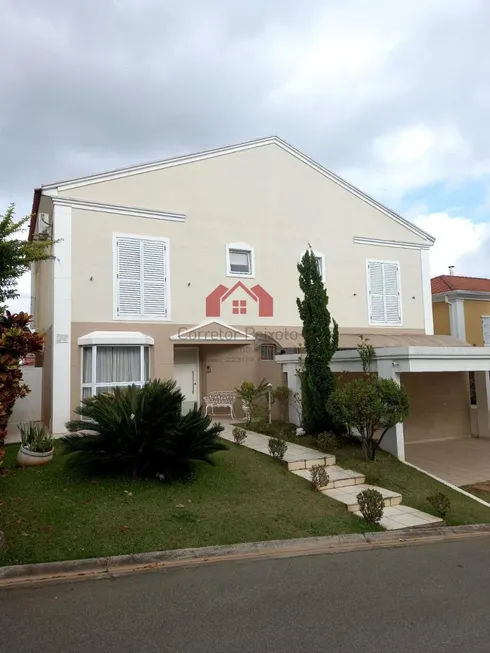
{"points": [[393, 96]]}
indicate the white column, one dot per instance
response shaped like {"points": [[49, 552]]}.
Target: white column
{"points": [[394, 440], [457, 324], [61, 386], [427, 292], [482, 388]]}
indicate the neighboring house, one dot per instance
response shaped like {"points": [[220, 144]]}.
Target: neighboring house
{"points": [[461, 308], [187, 269]]}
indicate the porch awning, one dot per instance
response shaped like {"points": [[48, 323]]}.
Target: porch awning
{"points": [[212, 331]]}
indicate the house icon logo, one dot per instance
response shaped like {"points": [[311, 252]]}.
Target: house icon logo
{"points": [[242, 299]]}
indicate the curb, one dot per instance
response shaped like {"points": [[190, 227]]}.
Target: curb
{"points": [[18, 575]]}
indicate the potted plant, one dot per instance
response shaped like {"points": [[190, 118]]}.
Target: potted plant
{"points": [[37, 445]]}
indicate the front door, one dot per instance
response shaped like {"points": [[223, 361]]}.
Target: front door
{"points": [[186, 369]]}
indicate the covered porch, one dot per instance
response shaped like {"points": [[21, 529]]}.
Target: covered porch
{"points": [[215, 357], [434, 371]]}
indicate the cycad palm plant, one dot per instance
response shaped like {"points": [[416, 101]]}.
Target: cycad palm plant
{"points": [[141, 431]]}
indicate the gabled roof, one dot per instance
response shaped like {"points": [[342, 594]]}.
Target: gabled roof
{"points": [[212, 331], [450, 283], [230, 149]]}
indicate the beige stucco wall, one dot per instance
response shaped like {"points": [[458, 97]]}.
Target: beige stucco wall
{"points": [[439, 405], [47, 377], [43, 289], [265, 198], [42, 285]]}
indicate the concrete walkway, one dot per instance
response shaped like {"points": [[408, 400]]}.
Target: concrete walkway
{"points": [[344, 484], [461, 462]]}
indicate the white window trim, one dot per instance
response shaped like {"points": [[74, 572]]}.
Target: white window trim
{"points": [[93, 385], [319, 255], [139, 318], [115, 338], [242, 246], [386, 324]]}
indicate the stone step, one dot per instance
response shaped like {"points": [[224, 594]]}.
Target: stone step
{"points": [[338, 477], [348, 495], [397, 517], [295, 464]]}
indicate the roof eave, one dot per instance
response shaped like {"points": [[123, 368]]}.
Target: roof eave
{"points": [[34, 211]]}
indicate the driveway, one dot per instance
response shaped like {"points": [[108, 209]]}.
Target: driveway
{"points": [[461, 462], [419, 598]]}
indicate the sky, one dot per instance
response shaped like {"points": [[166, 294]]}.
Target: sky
{"points": [[392, 96]]}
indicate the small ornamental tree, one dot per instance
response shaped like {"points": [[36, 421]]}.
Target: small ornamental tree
{"points": [[17, 253], [16, 342], [16, 338], [371, 405], [321, 339]]}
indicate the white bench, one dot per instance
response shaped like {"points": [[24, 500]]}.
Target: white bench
{"points": [[220, 399]]}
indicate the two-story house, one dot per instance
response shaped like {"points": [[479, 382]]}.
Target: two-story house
{"points": [[187, 269]]}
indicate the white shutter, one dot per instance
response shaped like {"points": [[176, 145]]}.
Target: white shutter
{"points": [[391, 293], [154, 278], [376, 292], [384, 293], [486, 330], [142, 277], [128, 276]]}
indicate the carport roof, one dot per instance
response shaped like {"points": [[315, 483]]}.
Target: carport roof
{"points": [[350, 341]]}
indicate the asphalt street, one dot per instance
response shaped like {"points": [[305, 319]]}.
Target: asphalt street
{"points": [[420, 598]]}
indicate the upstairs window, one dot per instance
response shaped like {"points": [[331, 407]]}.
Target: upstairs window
{"points": [[320, 262], [142, 290], [384, 296], [239, 260]]}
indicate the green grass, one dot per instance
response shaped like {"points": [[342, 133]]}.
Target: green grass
{"points": [[388, 472], [51, 513]]}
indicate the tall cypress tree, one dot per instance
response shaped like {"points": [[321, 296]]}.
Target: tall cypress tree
{"points": [[321, 338]]}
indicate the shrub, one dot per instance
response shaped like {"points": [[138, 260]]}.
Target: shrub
{"points": [[319, 476], [253, 398], [35, 437], [277, 448], [440, 502], [372, 407], [371, 505], [239, 435], [141, 431], [263, 426], [327, 442]]}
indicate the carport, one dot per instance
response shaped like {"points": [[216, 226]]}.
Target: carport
{"points": [[434, 370]]}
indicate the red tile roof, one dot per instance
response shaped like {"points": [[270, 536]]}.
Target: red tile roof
{"points": [[448, 283]]}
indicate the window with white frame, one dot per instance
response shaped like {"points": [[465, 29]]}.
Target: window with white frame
{"points": [[240, 260], [141, 269], [319, 265], [384, 294], [106, 367], [320, 262]]}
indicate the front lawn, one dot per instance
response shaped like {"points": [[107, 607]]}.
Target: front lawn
{"points": [[51, 513], [388, 472]]}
